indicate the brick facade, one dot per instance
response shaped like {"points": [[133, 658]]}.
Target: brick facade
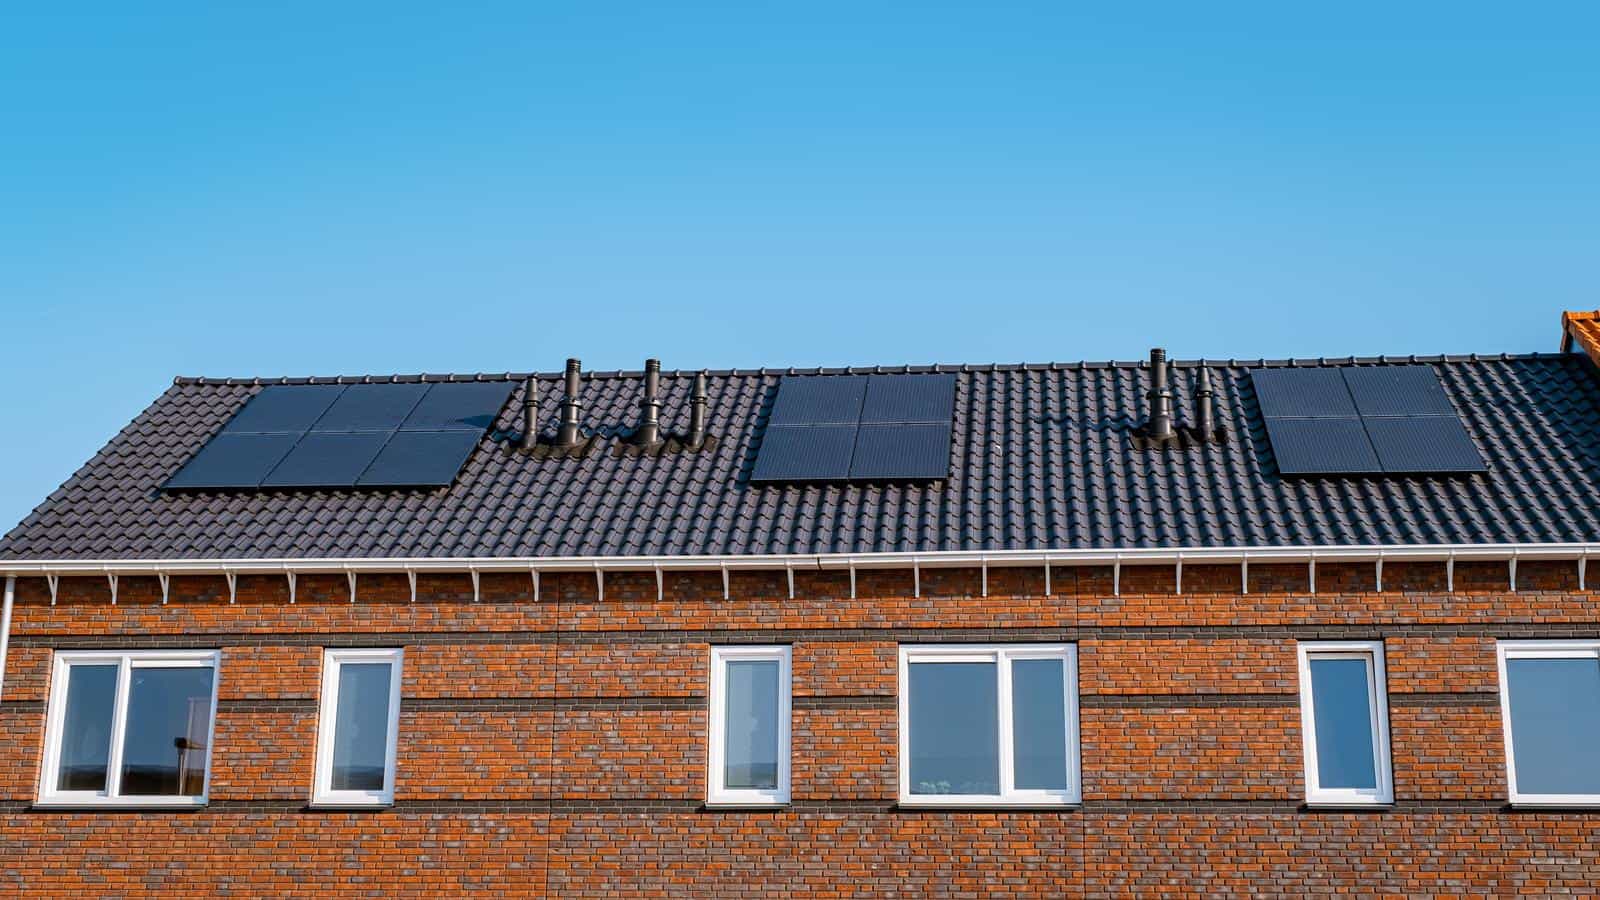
{"points": [[559, 747]]}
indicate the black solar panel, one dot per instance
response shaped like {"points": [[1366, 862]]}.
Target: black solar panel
{"points": [[1393, 420], [327, 459], [1398, 391], [284, 407], [858, 428], [371, 407], [909, 398], [805, 453], [1331, 446], [819, 400], [1302, 392], [1423, 444], [470, 405], [420, 459], [233, 460], [901, 452], [338, 436]]}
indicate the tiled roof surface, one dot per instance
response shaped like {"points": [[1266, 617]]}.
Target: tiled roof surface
{"points": [[1042, 458]]}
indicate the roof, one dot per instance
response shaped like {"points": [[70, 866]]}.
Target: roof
{"points": [[1043, 458], [1581, 331]]}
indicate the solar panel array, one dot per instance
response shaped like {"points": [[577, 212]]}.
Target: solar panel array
{"points": [[858, 428], [347, 436], [1378, 420]]}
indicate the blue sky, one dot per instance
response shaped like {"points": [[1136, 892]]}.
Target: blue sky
{"points": [[426, 187]]}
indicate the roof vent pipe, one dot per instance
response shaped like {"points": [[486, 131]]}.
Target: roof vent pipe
{"points": [[697, 411], [1160, 397], [530, 411], [568, 435], [650, 406], [1205, 410]]}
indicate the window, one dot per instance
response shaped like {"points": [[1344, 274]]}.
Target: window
{"points": [[359, 728], [749, 758], [1550, 708], [130, 728], [989, 725], [1344, 715]]}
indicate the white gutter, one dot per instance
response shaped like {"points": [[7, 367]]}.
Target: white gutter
{"points": [[5, 627]]}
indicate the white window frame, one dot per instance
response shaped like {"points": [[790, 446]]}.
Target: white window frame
{"points": [[1370, 652], [1556, 649], [717, 794], [126, 661], [1002, 655], [333, 659]]}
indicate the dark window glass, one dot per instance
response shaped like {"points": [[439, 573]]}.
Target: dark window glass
{"points": [[955, 742], [361, 727], [169, 721], [750, 755], [1555, 724], [1342, 708], [1039, 723], [86, 727]]}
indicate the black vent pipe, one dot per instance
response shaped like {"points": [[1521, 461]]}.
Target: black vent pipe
{"points": [[1204, 405], [697, 412], [567, 435], [1160, 397], [650, 405], [530, 411]]}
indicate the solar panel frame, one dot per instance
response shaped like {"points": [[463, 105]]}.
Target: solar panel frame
{"points": [[1397, 391], [232, 461], [892, 399], [1332, 445], [805, 453], [1302, 393], [1423, 445], [420, 459], [819, 400], [283, 408], [901, 452], [459, 405]]}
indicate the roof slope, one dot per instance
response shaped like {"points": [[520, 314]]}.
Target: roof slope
{"points": [[1042, 458]]}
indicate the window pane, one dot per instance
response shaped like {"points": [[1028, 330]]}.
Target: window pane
{"points": [[955, 725], [750, 755], [1039, 723], [361, 727], [1342, 706], [1555, 724], [86, 728], [169, 720]]}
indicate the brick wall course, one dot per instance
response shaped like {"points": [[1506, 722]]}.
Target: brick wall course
{"points": [[558, 748]]}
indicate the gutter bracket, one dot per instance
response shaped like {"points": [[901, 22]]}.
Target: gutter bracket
{"points": [[233, 585], [534, 574], [55, 585], [852, 579], [1583, 563], [1513, 572], [1311, 569], [789, 569], [725, 592], [1244, 575], [1116, 576], [599, 583], [350, 575], [411, 579], [477, 592], [290, 575], [916, 577], [1380, 572], [1450, 574], [111, 579], [983, 563], [1047, 585], [1178, 575], [661, 591], [166, 586]]}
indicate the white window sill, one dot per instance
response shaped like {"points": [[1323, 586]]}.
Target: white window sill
{"points": [[336, 804], [1580, 802], [121, 803], [986, 803], [746, 804], [1349, 804]]}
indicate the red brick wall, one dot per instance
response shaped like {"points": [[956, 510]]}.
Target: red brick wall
{"points": [[558, 748]]}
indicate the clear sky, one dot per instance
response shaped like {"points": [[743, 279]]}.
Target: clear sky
{"points": [[298, 189]]}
